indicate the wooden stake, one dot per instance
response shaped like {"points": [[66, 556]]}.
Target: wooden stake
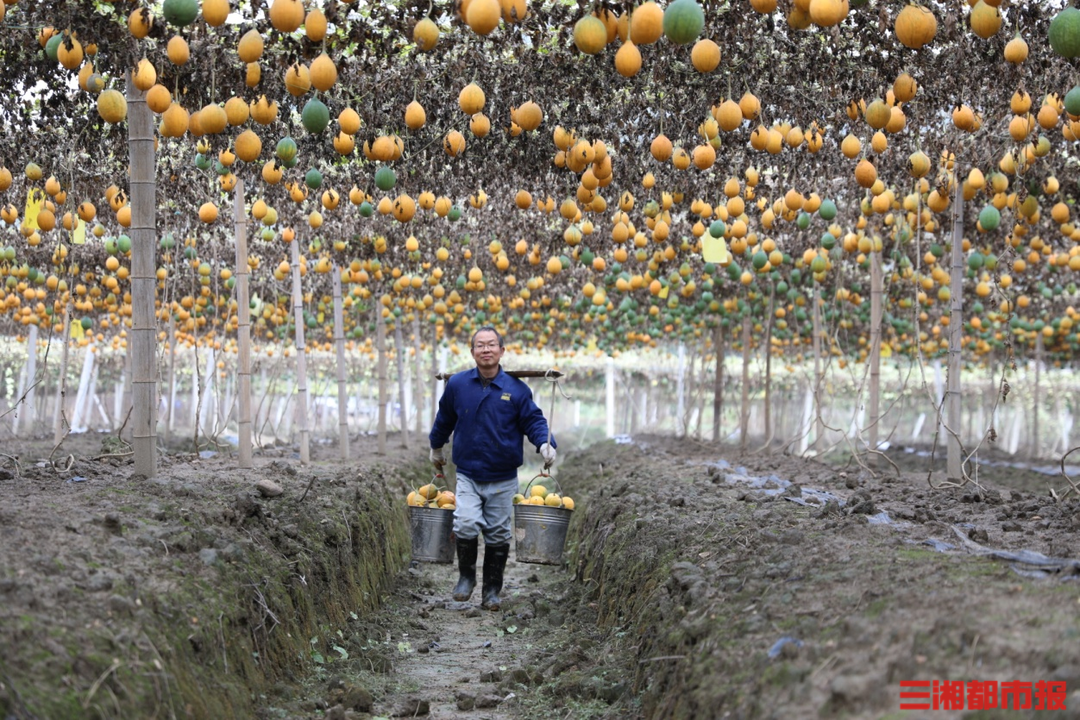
{"points": [[61, 389], [143, 282], [339, 348], [384, 393], [301, 354], [718, 380], [1036, 398], [819, 420], [243, 329], [877, 289], [418, 380], [768, 430], [399, 362], [956, 329], [680, 394], [434, 372], [744, 416], [172, 380], [609, 387]]}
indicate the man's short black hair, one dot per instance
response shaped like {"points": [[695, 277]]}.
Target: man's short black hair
{"points": [[485, 328]]}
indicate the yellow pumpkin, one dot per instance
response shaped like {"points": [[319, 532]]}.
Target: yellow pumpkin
{"points": [[112, 106], [323, 73], [915, 26], [215, 12], [349, 121], [426, 34], [250, 48], [178, 51], [646, 23], [315, 25], [628, 60], [248, 145], [471, 99], [286, 15], [158, 98], [705, 56], [415, 115]]}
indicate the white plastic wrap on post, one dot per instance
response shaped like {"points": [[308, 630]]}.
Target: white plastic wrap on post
{"points": [[243, 331], [301, 354], [339, 356], [609, 375]]}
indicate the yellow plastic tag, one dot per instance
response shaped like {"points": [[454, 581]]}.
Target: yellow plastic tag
{"points": [[77, 332], [35, 199], [78, 237], [663, 292], [715, 250]]}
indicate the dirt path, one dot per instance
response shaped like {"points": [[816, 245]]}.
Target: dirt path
{"points": [[423, 654]]}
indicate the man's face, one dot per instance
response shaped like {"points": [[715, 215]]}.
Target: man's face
{"points": [[486, 351]]}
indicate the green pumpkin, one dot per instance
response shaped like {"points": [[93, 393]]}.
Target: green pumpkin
{"points": [[1065, 33], [385, 178], [180, 12], [313, 179], [286, 149], [683, 21], [315, 116], [989, 218]]}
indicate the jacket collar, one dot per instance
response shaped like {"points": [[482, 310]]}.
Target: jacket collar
{"points": [[497, 381]]}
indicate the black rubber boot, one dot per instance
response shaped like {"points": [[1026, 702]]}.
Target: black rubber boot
{"points": [[494, 564], [466, 558]]}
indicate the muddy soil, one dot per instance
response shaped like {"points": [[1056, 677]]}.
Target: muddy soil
{"points": [[698, 583]]}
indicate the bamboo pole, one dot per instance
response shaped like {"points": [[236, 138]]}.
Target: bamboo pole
{"points": [[1036, 398], [380, 347], [339, 348], [744, 415], [418, 380], [399, 362], [26, 412], [143, 282], [61, 385], [877, 288], [680, 394], [434, 372], [172, 380], [718, 380], [819, 420], [609, 396], [243, 329], [768, 370], [301, 354], [956, 328]]}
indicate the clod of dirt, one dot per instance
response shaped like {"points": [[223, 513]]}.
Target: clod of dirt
{"points": [[357, 698], [860, 504], [465, 701], [113, 524], [978, 535], [491, 676], [488, 701], [268, 488], [282, 468], [413, 707]]}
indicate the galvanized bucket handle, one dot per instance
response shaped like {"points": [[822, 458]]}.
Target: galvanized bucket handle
{"points": [[558, 487], [434, 479]]}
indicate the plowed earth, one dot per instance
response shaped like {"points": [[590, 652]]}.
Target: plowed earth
{"points": [[698, 583]]}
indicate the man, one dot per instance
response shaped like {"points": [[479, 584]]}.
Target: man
{"points": [[490, 414]]}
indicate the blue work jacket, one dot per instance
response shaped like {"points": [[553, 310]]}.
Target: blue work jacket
{"points": [[488, 424]]}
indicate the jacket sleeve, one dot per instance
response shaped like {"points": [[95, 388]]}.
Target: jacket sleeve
{"points": [[445, 419], [532, 423]]}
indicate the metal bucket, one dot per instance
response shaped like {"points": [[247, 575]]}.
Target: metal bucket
{"points": [[432, 529], [540, 533]]}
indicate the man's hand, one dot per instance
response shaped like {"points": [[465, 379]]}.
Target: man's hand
{"points": [[548, 453], [437, 458]]}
